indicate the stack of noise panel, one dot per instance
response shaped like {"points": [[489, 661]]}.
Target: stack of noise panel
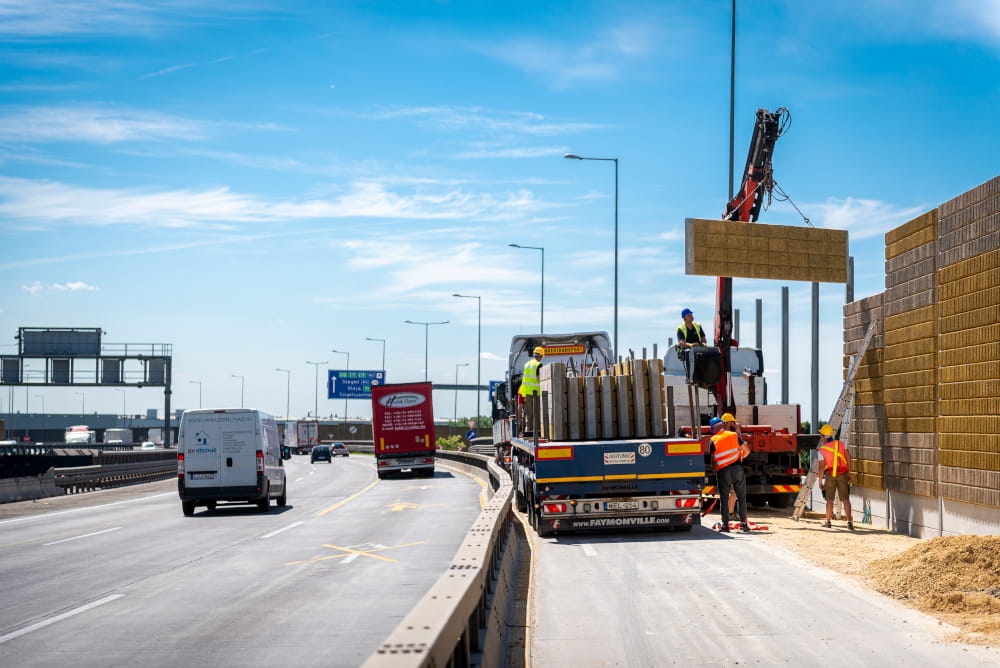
{"points": [[865, 432], [910, 369], [625, 401], [968, 277]]}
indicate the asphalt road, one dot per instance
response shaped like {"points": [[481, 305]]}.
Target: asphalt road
{"points": [[705, 599], [321, 582]]}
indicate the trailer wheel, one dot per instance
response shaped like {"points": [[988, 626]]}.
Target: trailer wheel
{"points": [[522, 504], [188, 508], [757, 500]]}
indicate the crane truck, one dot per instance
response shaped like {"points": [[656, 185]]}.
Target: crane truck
{"points": [[607, 469]]}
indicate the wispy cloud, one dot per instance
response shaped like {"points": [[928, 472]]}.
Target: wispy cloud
{"points": [[74, 286], [517, 152], [601, 57], [33, 289], [478, 118], [863, 218], [49, 202], [93, 124]]}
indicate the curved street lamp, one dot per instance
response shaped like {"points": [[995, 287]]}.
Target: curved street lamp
{"points": [[426, 328]]}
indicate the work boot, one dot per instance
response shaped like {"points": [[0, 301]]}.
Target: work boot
{"points": [[850, 525], [826, 524], [744, 528]]}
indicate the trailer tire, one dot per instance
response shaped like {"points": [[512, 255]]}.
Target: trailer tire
{"points": [[187, 507], [522, 504], [757, 500]]}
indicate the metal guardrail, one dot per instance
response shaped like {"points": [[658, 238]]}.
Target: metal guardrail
{"points": [[88, 478], [463, 620]]}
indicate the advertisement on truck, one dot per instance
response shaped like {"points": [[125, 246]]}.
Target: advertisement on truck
{"points": [[403, 425]]}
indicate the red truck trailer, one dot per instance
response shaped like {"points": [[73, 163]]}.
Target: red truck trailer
{"points": [[403, 429]]}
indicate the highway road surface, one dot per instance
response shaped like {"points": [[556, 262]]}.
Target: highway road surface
{"points": [[319, 583], [706, 599]]}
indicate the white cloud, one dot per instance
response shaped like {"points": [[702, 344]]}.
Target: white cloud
{"points": [[491, 356], [523, 152], [466, 118], [93, 124], [863, 218], [74, 286], [53, 202], [45, 18], [33, 289]]}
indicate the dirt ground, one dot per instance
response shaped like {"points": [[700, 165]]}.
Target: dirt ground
{"points": [[953, 578]]}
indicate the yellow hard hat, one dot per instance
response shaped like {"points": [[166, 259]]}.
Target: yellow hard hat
{"points": [[539, 351], [826, 430], [728, 417]]}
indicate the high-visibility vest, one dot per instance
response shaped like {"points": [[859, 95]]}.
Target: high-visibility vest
{"points": [[727, 449], [683, 333], [835, 458], [529, 381]]}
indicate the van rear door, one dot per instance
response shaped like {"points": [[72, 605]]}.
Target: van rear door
{"points": [[219, 448]]}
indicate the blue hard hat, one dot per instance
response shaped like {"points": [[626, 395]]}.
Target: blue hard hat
{"points": [[713, 422], [686, 312]]}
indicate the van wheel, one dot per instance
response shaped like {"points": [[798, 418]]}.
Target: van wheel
{"points": [[283, 499], [188, 508], [210, 505]]}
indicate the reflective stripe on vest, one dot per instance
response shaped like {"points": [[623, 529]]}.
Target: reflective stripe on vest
{"points": [[833, 454], [529, 381], [727, 449], [683, 331]]}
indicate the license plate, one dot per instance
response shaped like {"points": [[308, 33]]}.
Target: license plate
{"points": [[621, 505], [202, 476]]}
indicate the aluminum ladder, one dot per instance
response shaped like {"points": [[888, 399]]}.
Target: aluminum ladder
{"points": [[841, 415]]}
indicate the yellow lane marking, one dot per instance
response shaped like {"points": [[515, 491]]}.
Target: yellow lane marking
{"points": [[351, 497], [348, 551], [482, 497], [406, 505]]}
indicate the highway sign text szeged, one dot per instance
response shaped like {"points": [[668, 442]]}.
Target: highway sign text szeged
{"points": [[344, 384]]}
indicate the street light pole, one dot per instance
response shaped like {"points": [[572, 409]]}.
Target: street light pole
{"points": [[571, 156], [541, 319], [455, 417], [199, 391], [347, 369], [242, 386], [316, 366], [288, 390], [368, 338], [427, 326], [479, 355]]}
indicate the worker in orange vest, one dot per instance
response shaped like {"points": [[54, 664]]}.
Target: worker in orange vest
{"points": [[834, 475], [727, 453]]}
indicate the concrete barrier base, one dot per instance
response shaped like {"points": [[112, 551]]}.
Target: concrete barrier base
{"points": [[29, 487]]}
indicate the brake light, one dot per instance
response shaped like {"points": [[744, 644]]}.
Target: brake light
{"points": [[686, 503], [260, 461], [180, 464], [795, 471], [429, 460], [555, 507]]}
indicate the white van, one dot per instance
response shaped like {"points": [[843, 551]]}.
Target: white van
{"points": [[229, 454]]}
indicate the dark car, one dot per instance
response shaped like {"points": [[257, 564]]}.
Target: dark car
{"points": [[339, 449], [321, 452]]}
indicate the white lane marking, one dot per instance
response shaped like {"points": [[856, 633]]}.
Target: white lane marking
{"points": [[58, 618], [348, 559], [86, 535], [300, 479], [589, 551], [76, 510], [277, 531]]}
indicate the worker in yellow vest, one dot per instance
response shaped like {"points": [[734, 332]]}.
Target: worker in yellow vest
{"points": [[689, 333], [727, 457], [834, 475], [528, 393]]}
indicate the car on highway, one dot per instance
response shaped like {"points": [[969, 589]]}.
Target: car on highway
{"points": [[147, 445], [340, 450], [321, 453]]}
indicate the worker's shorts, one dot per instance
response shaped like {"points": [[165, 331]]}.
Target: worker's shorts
{"points": [[839, 486]]}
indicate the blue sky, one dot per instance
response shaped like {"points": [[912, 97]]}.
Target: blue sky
{"points": [[259, 183]]}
